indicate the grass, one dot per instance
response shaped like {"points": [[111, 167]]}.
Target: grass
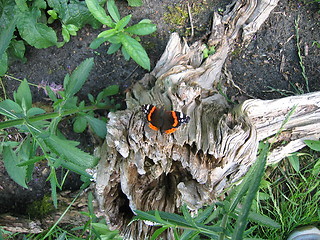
{"points": [[291, 197]]}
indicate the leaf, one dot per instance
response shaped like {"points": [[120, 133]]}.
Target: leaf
{"points": [[313, 144], [78, 77], [123, 22], [69, 152], [99, 13], [263, 220], [113, 48], [113, 10], [23, 95], [18, 174], [80, 124], [35, 111], [111, 90], [10, 109], [6, 35], [73, 12], [96, 43], [142, 29], [135, 50], [97, 125], [3, 64], [106, 34], [34, 33], [135, 3], [294, 161], [17, 49]]}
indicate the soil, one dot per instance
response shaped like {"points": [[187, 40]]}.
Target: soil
{"points": [[267, 68]]}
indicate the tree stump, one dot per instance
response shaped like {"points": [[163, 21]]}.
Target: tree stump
{"points": [[145, 169]]}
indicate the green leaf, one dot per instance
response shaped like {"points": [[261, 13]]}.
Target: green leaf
{"points": [[113, 10], [35, 111], [23, 95], [6, 35], [10, 109], [111, 90], [263, 220], [142, 29], [65, 35], [113, 48], [97, 125], [17, 49], [80, 124], [313, 144], [125, 53], [135, 50], [78, 77], [69, 152], [107, 34], [18, 174], [3, 64], [123, 22], [135, 3], [294, 161], [97, 42], [99, 13], [34, 33]]}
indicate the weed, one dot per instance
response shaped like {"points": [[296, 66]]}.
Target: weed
{"points": [[291, 195], [119, 35], [39, 133]]}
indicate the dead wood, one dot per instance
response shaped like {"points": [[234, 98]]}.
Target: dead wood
{"points": [[146, 170]]}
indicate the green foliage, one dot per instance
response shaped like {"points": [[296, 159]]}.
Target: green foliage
{"points": [[29, 19], [222, 220], [120, 36], [208, 51], [40, 134], [291, 194]]}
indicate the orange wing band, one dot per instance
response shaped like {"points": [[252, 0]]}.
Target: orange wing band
{"points": [[175, 119]]}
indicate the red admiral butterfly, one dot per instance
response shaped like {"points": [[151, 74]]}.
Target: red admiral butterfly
{"points": [[165, 121]]}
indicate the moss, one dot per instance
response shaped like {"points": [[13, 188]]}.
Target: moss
{"points": [[40, 208], [178, 17]]}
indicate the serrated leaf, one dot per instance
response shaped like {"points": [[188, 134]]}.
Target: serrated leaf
{"points": [[23, 95], [99, 13], [78, 77], [66, 150], [113, 10], [313, 144], [135, 50], [80, 124], [123, 22], [135, 3], [18, 174], [142, 29], [98, 126]]}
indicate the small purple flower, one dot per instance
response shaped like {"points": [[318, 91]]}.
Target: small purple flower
{"points": [[53, 86]]}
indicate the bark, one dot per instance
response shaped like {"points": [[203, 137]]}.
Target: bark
{"points": [[146, 170]]}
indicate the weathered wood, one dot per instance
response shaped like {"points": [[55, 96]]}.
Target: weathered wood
{"points": [[144, 169]]}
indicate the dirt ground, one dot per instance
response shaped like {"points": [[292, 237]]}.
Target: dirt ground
{"points": [[268, 68]]}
